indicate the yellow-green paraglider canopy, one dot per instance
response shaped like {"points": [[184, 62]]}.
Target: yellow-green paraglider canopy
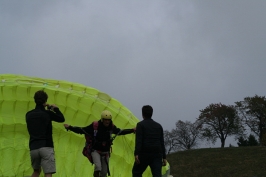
{"points": [[81, 105]]}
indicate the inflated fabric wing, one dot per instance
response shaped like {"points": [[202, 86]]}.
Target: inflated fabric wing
{"points": [[81, 105]]}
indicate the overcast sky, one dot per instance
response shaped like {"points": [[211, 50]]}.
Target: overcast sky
{"points": [[177, 56]]}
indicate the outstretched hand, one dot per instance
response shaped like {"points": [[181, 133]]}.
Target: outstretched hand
{"points": [[137, 159], [66, 126], [134, 130], [164, 162]]}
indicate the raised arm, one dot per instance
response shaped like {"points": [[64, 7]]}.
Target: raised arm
{"points": [[55, 114]]}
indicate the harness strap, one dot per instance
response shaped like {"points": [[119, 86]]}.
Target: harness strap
{"points": [[108, 170]]}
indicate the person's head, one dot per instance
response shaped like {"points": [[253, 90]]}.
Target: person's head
{"points": [[40, 97], [106, 118], [147, 112]]}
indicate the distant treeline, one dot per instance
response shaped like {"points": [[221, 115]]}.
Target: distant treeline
{"points": [[245, 120]]}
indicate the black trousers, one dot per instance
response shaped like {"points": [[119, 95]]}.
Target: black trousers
{"points": [[154, 160]]}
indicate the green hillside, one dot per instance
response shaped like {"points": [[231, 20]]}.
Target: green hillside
{"points": [[219, 162]]}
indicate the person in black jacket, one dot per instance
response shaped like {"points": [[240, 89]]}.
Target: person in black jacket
{"points": [[149, 145], [102, 141], [39, 125]]}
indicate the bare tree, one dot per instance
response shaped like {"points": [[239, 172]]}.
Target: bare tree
{"points": [[186, 134], [170, 143]]}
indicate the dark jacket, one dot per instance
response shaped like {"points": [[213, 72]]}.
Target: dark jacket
{"points": [[103, 137], [149, 138], [39, 125]]}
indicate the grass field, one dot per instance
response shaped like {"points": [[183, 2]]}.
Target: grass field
{"points": [[219, 162]]}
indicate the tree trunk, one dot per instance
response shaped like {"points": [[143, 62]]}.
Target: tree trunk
{"points": [[222, 142], [260, 131]]}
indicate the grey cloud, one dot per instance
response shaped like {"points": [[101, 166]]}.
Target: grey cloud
{"points": [[178, 56]]}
